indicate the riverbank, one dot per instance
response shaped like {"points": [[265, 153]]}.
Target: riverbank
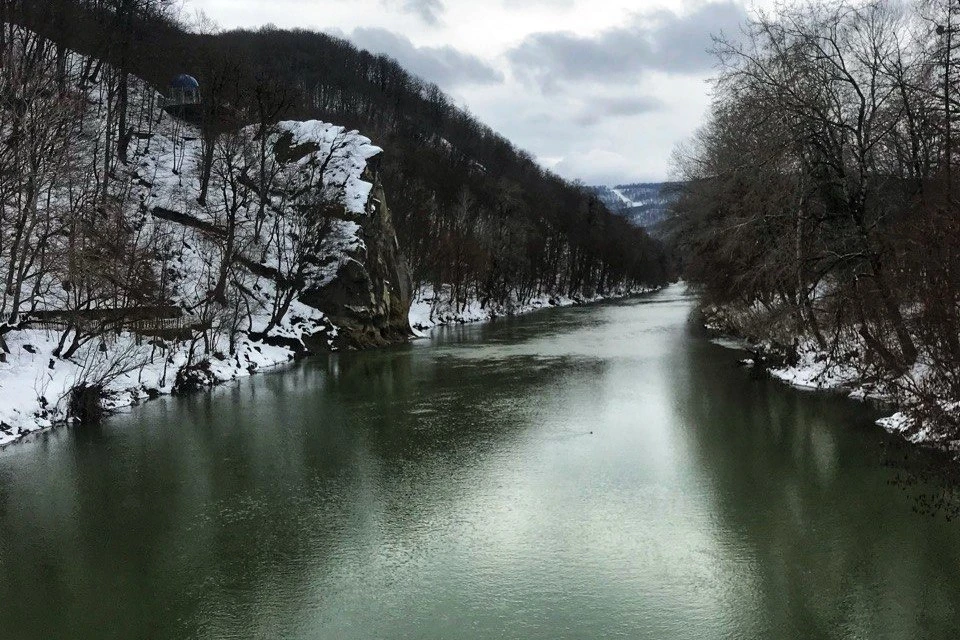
{"points": [[842, 367], [430, 309], [36, 387]]}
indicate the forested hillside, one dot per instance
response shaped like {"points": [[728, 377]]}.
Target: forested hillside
{"points": [[645, 204], [475, 215], [148, 248], [821, 211], [159, 233]]}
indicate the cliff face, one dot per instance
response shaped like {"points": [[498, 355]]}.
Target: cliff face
{"points": [[197, 256], [316, 256], [369, 299]]}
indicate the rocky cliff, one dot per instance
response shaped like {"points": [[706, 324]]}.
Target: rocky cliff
{"points": [[369, 300], [313, 232], [198, 257]]}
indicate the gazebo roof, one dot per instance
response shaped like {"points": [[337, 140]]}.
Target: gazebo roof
{"points": [[183, 81]]}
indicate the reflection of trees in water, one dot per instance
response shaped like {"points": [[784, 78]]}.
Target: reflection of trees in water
{"points": [[183, 514], [932, 477], [798, 479]]}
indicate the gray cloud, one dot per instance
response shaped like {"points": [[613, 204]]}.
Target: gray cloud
{"points": [[602, 109], [560, 4], [428, 10], [662, 41], [444, 66]]}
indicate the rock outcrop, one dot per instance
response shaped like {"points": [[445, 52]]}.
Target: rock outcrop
{"points": [[369, 299], [221, 253]]}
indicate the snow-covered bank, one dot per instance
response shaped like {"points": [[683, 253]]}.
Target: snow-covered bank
{"points": [[35, 385], [915, 409], [430, 309], [813, 371]]}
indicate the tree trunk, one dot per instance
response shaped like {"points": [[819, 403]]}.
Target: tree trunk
{"points": [[907, 347], [206, 168]]}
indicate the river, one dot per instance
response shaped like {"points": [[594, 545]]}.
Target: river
{"points": [[592, 472]]}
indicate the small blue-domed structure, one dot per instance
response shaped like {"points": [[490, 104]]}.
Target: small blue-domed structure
{"points": [[184, 89]]}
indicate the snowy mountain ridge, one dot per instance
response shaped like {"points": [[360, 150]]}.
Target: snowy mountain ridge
{"points": [[645, 204]]}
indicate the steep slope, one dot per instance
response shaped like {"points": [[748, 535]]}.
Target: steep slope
{"points": [[194, 259]]}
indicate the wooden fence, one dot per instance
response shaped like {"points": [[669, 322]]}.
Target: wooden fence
{"points": [[140, 325]]}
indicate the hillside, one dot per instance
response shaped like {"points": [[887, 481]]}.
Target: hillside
{"points": [[644, 204], [146, 279], [475, 215]]}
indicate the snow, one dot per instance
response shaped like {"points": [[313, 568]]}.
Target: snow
{"points": [[815, 371], [897, 423], [624, 199], [431, 310], [349, 150], [630, 202], [731, 343], [329, 161], [35, 385]]}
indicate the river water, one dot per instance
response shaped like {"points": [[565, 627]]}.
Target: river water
{"points": [[595, 472]]}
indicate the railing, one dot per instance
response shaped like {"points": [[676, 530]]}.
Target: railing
{"points": [[164, 324], [139, 325]]}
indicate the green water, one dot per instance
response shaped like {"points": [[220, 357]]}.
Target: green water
{"points": [[596, 472]]}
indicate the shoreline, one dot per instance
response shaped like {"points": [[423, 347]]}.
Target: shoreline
{"points": [[810, 373], [29, 372], [425, 315], [32, 372]]}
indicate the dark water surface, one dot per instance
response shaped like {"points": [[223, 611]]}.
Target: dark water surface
{"points": [[596, 472]]}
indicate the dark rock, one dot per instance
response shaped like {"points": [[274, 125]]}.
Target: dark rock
{"points": [[86, 404], [369, 300], [194, 378], [291, 344]]}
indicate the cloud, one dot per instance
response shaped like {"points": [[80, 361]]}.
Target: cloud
{"points": [[662, 41], [428, 10], [522, 4], [444, 66], [599, 134], [597, 166], [604, 108]]}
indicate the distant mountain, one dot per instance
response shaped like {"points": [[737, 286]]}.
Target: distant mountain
{"points": [[645, 204]]}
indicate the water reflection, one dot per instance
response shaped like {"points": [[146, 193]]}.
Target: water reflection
{"points": [[593, 472], [836, 551]]}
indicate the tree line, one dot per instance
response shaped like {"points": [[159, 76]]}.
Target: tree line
{"points": [[475, 215], [116, 216], [821, 197]]}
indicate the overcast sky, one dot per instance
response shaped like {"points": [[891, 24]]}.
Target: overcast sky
{"points": [[598, 90]]}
